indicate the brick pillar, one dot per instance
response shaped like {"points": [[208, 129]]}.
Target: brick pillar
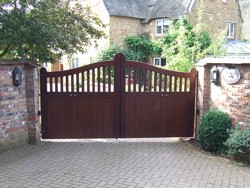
{"points": [[34, 131], [203, 90]]}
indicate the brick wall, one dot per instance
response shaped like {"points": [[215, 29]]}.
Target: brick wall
{"points": [[19, 121], [233, 99]]}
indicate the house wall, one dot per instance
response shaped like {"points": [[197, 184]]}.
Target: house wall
{"points": [[121, 27], [217, 14], [19, 120], [90, 56], [233, 99], [245, 11]]}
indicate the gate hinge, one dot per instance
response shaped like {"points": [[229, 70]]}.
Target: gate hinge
{"points": [[39, 113]]}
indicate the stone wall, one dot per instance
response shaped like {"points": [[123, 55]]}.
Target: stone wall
{"points": [[121, 27], [245, 11], [234, 99], [19, 120], [216, 15]]}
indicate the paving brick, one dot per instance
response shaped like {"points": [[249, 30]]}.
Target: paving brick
{"points": [[118, 163]]}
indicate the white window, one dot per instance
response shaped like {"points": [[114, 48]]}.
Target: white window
{"points": [[230, 30], [45, 65], [162, 26], [75, 62], [160, 61]]}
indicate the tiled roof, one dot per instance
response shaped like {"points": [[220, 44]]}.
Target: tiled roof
{"points": [[147, 9]]}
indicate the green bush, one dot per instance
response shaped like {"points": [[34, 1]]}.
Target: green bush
{"points": [[213, 130], [238, 145]]}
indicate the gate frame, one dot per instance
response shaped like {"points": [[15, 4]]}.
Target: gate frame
{"points": [[119, 114]]}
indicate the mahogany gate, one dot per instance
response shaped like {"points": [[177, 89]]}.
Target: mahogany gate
{"points": [[115, 99]]}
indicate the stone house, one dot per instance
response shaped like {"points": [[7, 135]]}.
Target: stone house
{"points": [[134, 17], [245, 10]]}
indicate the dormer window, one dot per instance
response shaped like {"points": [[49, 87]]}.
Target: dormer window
{"points": [[162, 26], [230, 30]]}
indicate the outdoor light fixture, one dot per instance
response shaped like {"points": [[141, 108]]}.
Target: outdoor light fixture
{"points": [[214, 75], [17, 76]]}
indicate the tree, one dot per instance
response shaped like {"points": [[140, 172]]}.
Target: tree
{"points": [[43, 30]]}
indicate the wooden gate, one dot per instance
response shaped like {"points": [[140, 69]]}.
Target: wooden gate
{"points": [[117, 99]]}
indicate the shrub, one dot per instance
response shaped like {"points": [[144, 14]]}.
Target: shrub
{"points": [[238, 145], [214, 130]]}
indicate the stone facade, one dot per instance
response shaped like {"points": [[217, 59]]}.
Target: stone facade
{"points": [[19, 120], [216, 15], [233, 99], [245, 11]]}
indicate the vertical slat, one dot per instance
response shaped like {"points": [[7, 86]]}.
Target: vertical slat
{"points": [[150, 81], [145, 80], [93, 80], [140, 79], [129, 79], [160, 82], [170, 84], [61, 82], [50, 84], [77, 82], [175, 83], [155, 81], [88, 84], [165, 82], [109, 78], [104, 79], [72, 83], [67, 83], [98, 78], [56, 84], [134, 78]]}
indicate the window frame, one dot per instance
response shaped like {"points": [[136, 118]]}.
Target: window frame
{"points": [[230, 30], [160, 61], [74, 62], [163, 27]]}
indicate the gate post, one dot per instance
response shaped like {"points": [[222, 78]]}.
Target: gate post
{"points": [[120, 61]]}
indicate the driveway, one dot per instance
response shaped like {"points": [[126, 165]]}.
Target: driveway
{"points": [[118, 163]]}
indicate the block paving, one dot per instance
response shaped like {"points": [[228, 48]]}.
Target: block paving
{"points": [[124, 163]]}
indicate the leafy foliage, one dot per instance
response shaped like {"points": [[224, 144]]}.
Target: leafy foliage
{"points": [[213, 130], [238, 145], [184, 45], [109, 53], [138, 48], [45, 29]]}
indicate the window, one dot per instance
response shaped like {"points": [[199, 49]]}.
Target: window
{"points": [[230, 30], [75, 62], [45, 65], [160, 61], [162, 26]]}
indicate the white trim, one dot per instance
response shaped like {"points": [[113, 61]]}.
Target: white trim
{"points": [[230, 30], [159, 60], [163, 22], [74, 62]]}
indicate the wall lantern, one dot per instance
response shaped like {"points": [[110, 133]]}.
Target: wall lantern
{"points": [[17, 76], [214, 75]]}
